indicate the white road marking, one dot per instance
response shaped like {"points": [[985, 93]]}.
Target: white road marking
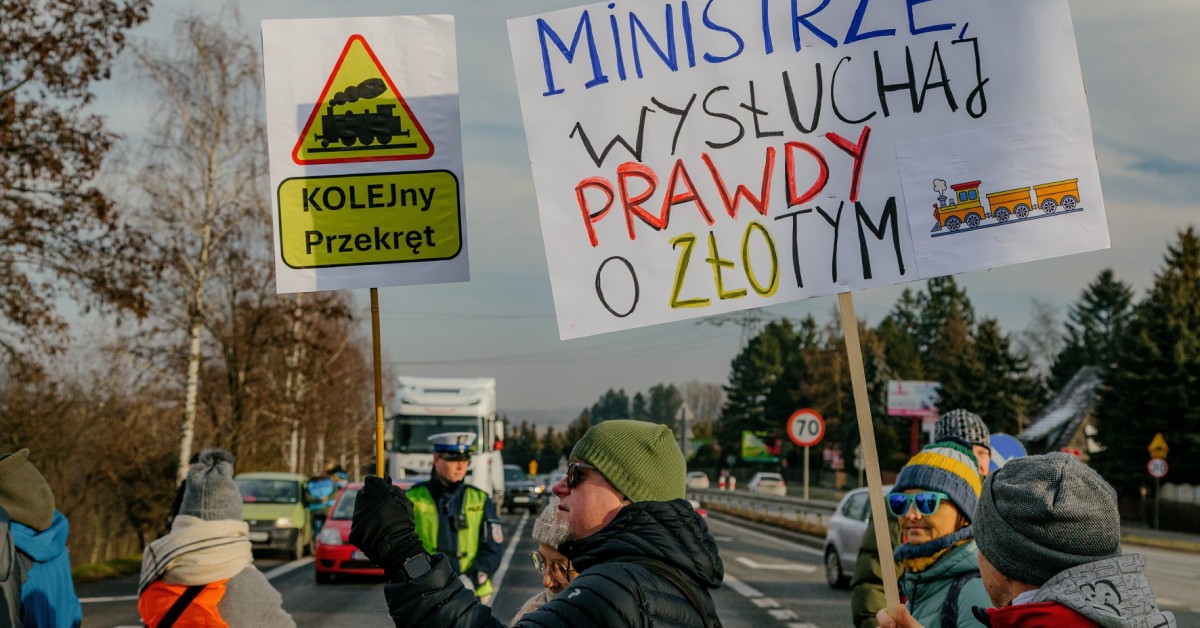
{"points": [[723, 539], [740, 587], [498, 577], [788, 544], [765, 602], [753, 564], [802, 625], [783, 614], [272, 574]]}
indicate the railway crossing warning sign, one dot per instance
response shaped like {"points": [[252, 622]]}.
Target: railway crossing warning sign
{"points": [[368, 177], [360, 115]]}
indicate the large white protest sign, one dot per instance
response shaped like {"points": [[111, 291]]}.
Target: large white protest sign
{"points": [[695, 158], [366, 152]]}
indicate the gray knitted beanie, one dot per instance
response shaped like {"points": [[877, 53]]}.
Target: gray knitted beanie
{"points": [[963, 425], [1041, 515], [211, 494], [640, 459]]}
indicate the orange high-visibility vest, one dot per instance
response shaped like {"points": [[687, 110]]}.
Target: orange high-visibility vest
{"points": [[158, 598]]}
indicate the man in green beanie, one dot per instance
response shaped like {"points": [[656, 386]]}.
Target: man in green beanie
{"points": [[643, 555]]}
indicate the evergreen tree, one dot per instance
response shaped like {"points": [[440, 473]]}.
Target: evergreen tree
{"points": [[1006, 392], [752, 374], [1096, 323], [664, 405], [951, 361], [575, 431], [897, 333], [638, 410], [522, 446], [1154, 384], [613, 404], [943, 303]]}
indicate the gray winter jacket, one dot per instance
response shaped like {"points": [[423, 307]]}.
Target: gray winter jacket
{"points": [[1110, 592], [12, 577]]}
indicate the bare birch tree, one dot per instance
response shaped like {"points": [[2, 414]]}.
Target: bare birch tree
{"points": [[203, 175]]}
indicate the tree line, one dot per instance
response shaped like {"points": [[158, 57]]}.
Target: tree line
{"points": [[164, 242]]}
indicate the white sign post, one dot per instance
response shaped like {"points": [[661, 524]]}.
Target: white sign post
{"points": [[806, 428], [691, 162]]}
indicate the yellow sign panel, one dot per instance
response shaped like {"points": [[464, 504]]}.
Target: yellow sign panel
{"points": [[348, 220], [360, 116], [1158, 447]]}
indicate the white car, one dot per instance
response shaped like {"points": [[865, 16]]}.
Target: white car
{"points": [[697, 479], [847, 526], [769, 483]]}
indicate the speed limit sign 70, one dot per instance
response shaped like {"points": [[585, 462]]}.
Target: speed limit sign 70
{"points": [[806, 427]]}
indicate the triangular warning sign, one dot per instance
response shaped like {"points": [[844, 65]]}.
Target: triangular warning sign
{"points": [[360, 116]]}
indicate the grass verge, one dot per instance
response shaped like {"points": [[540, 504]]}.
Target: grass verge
{"points": [[107, 569]]}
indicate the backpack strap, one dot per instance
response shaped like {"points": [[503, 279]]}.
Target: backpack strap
{"points": [[685, 586], [950, 606], [180, 605]]}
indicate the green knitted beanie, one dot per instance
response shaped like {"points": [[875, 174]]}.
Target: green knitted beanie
{"points": [[24, 492], [640, 459]]}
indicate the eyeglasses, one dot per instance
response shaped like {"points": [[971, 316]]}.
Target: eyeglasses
{"points": [[556, 566], [927, 502], [573, 475]]}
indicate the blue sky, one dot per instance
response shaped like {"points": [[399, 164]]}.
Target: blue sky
{"points": [[1138, 66]]}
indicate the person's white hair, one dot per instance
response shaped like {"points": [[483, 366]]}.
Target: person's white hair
{"points": [[548, 528]]}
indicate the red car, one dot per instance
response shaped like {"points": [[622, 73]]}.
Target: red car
{"points": [[334, 553]]}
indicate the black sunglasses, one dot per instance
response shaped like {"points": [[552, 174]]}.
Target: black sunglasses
{"points": [[574, 477]]}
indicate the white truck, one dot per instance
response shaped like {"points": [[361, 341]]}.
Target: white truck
{"points": [[431, 405]]}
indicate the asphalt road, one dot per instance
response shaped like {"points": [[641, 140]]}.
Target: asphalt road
{"points": [[770, 582]]}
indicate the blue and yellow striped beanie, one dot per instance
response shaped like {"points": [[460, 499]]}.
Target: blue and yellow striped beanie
{"points": [[948, 467]]}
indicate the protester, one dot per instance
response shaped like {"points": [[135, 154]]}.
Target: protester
{"points": [[202, 573], [12, 576], [1049, 537], [643, 555], [214, 454], [39, 533], [457, 519], [557, 571], [866, 587], [934, 498]]}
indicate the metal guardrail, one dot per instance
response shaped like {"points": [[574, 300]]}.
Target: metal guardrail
{"points": [[793, 512]]}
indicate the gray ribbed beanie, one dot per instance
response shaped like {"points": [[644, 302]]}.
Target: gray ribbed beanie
{"points": [[640, 459], [211, 494], [963, 425], [1041, 515]]}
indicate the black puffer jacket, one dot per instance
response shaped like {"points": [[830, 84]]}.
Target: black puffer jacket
{"points": [[610, 590]]}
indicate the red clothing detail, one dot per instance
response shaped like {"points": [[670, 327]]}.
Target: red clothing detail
{"points": [[1038, 615]]}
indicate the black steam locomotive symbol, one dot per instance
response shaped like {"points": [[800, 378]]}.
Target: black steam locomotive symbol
{"points": [[365, 128]]}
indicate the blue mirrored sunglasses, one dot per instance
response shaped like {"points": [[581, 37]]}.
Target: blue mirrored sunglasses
{"points": [[927, 502]]}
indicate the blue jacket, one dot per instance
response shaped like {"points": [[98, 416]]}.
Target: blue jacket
{"points": [[48, 598]]}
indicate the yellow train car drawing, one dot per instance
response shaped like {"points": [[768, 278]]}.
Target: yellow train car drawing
{"points": [[964, 206]]}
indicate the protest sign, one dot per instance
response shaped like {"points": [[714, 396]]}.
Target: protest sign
{"points": [[693, 159], [366, 152]]}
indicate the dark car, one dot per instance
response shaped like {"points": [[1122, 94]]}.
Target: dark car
{"points": [[522, 491]]}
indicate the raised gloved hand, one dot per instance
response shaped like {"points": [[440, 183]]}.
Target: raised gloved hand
{"points": [[383, 526]]}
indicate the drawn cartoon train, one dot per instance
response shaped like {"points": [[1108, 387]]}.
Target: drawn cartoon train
{"points": [[349, 127], [964, 207]]}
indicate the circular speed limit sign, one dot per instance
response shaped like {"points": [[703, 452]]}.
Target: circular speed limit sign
{"points": [[1157, 467], [806, 427]]}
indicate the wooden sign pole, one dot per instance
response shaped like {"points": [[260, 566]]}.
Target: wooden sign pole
{"points": [[870, 456], [378, 382]]}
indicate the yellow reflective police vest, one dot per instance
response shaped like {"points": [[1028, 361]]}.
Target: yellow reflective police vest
{"points": [[426, 515]]}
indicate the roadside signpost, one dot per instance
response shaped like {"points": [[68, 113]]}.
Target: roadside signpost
{"points": [[1157, 467], [806, 428]]}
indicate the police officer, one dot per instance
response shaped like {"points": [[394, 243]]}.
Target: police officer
{"points": [[456, 518]]}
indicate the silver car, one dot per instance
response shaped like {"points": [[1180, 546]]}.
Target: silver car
{"points": [[846, 529]]}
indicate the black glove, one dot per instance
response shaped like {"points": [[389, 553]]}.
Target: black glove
{"points": [[383, 526]]}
